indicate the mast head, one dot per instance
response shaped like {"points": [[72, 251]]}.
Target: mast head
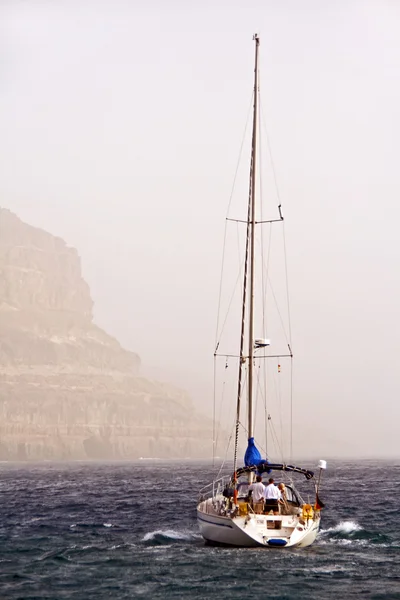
{"points": [[256, 38]]}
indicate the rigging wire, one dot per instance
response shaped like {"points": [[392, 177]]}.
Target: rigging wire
{"points": [[216, 344], [240, 260], [291, 409], [277, 443], [248, 252], [238, 279], [275, 438], [270, 156], [284, 234], [229, 306], [287, 281], [278, 395], [264, 279], [290, 343], [227, 212], [221, 405], [226, 451], [273, 434], [258, 393], [279, 313], [243, 384], [214, 402], [263, 291], [278, 386]]}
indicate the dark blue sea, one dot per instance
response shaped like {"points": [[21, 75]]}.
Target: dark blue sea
{"points": [[97, 531]]}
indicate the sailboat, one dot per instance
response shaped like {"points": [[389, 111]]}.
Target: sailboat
{"points": [[227, 513]]}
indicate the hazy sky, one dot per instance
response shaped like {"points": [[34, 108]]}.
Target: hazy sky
{"points": [[121, 124]]}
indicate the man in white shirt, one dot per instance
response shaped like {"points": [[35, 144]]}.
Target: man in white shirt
{"points": [[272, 495], [258, 494]]}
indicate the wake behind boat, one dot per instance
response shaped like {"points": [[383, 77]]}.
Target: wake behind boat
{"points": [[238, 509]]}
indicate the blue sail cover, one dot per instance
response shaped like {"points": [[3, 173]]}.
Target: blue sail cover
{"points": [[252, 456]]}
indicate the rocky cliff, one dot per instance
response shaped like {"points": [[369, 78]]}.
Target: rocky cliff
{"points": [[68, 390]]}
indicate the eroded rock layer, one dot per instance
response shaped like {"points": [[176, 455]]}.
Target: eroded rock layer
{"points": [[68, 390]]}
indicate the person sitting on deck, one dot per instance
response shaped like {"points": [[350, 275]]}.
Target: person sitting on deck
{"points": [[272, 496], [258, 492]]}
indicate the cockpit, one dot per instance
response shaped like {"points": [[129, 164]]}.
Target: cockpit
{"points": [[291, 495]]}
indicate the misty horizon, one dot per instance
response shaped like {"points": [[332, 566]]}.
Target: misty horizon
{"points": [[121, 132]]}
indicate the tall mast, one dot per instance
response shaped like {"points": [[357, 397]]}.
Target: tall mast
{"points": [[252, 223], [249, 251]]}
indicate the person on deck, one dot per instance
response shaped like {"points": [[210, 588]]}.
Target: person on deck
{"points": [[258, 493], [283, 503], [272, 497]]}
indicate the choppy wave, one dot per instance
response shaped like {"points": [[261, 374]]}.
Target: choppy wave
{"points": [[101, 531], [346, 533], [347, 527], [89, 525], [166, 536]]}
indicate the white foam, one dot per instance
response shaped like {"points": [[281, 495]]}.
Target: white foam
{"points": [[340, 542], [328, 570], [343, 527], [107, 525], [168, 533]]}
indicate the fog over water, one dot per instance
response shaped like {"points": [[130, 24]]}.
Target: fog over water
{"points": [[121, 127]]}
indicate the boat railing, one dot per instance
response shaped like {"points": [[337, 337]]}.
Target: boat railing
{"points": [[215, 488], [220, 492]]}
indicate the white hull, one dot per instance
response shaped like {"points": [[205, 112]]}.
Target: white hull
{"points": [[270, 531]]}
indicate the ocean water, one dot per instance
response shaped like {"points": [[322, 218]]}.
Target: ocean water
{"points": [[97, 531]]}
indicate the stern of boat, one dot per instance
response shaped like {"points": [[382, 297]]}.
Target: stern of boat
{"points": [[223, 522]]}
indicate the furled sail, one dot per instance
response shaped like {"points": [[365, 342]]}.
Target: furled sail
{"points": [[252, 456]]}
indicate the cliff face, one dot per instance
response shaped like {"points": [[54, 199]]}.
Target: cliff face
{"points": [[68, 390]]}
